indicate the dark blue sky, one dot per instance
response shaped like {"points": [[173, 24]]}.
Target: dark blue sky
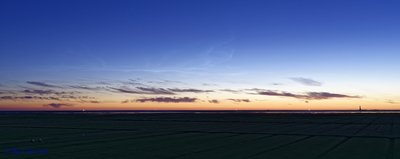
{"points": [[133, 33], [253, 43]]}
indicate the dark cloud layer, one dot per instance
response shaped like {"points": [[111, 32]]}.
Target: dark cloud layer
{"points": [[42, 84], [240, 100], [168, 100], [306, 81], [58, 105], [308, 95]]}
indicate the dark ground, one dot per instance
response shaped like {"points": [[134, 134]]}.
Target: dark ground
{"points": [[188, 135]]}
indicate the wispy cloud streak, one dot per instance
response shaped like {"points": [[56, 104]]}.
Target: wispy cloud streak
{"points": [[42, 84], [160, 91], [15, 98], [86, 88], [240, 100], [168, 100], [57, 105], [308, 95], [306, 81], [189, 90], [214, 101]]}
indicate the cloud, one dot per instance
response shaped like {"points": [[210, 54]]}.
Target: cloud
{"points": [[281, 94], [8, 92], [240, 100], [86, 88], [308, 95], [103, 83], [160, 91], [173, 81], [58, 105], [327, 95], [125, 101], [45, 96], [190, 90], [27, 98], [46, 92], [40, 92], [391, 102], [167, 82], [209, 84], [255, 89], [168, 100], [230, 90], [82, 99], [306, 81], [42, 84], [144, 90], [92, 101], [126, 90], [167, 91], [8, 98], [134, 82], [214, 101]]}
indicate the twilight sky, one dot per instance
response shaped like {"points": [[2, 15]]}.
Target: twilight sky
{"points": [[199, 54]]}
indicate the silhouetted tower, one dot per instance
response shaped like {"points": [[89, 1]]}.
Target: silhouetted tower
{"points": [[359, 108]]}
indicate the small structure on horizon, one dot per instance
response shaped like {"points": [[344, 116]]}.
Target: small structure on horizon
{"points": [[359, 108]]}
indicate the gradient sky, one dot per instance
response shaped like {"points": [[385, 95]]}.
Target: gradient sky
{"points": [[199, 54]]}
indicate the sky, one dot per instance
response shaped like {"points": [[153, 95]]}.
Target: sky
{"points": [[199, 55]]}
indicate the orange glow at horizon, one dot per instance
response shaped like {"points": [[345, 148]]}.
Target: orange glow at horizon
{"points": [[289, 104]]}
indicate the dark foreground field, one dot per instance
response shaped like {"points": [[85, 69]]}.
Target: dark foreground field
{"points": [[147, 136]]}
